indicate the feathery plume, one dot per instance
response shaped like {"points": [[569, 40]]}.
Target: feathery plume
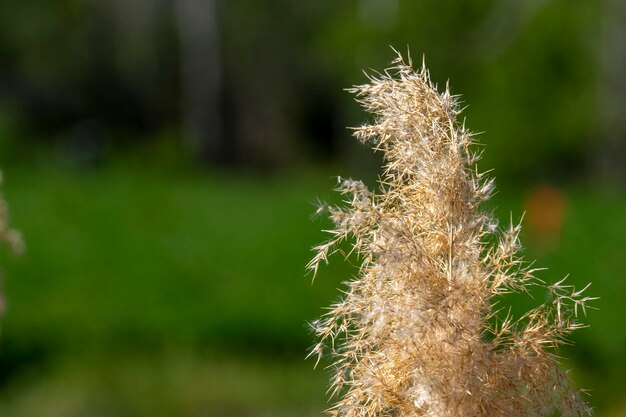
{"points": [[418, 331], [8, 236]]}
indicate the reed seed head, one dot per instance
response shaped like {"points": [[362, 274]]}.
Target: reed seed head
{"points": [[418, 331]]}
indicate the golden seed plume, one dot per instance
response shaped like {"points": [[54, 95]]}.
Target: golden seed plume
{"points": [[417, 332]]}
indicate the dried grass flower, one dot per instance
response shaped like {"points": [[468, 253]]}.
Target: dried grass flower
{"points": [[8, 236], [419, 331]]}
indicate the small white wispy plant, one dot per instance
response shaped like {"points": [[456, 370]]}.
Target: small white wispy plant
{"points": [[8, 236], [419, 331]]}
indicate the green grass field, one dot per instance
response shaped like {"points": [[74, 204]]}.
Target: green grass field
{"points": [[164, 294]]}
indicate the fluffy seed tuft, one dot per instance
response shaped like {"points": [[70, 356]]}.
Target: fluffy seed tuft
{"points": [[417, 332]]}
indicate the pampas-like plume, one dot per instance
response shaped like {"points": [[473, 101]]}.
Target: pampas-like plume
{"points": [[417, 332], [8, 235]]}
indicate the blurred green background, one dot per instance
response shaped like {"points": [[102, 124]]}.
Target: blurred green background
{"points": [[162, 159]]}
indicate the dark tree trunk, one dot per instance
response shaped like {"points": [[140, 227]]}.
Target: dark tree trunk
{"points": [[609, 153], [201, 78]]}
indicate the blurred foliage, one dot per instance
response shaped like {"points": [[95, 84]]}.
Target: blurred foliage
{"points": [[96, 71]]}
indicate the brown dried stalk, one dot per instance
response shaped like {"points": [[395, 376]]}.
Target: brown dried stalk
{"points": [[417, 332]]}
